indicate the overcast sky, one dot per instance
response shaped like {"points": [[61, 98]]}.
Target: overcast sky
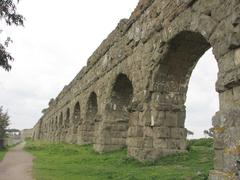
{"points": [[58, 38]]}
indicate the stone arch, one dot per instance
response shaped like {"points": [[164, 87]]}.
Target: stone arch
{"points": [[61, 120], [170, 78], [75, 123], [56, 123], [76, 114], [52, 124], [118, 114], [67, 119], [64, 122], [92, 107], [121, 95], [56, 126], [87, 128]]}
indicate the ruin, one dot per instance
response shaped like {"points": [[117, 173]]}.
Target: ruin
{"points": [[133, 90]]}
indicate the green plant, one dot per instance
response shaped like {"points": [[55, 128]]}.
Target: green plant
{"points": [[74, 162]]}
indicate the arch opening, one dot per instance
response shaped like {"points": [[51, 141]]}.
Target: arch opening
{"points": [[92, 107], [122, 94], [56, 123], [121, 98], [171, 80], [76, 113], [76, 117], [61, 120], [67, 120], [87, 129], [202, 99]]}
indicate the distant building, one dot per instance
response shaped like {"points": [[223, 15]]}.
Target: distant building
{"points": [[13, 137], [26, 133]]}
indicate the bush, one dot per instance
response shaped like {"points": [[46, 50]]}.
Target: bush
{"points": [[206, 142]]}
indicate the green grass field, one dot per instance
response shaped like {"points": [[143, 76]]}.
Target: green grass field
{"points": [[74, 162], [2, 153]]}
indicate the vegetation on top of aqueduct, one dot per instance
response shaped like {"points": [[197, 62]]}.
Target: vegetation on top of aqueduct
{"points": [[74, 162]]}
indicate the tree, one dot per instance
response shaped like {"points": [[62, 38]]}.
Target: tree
{"points": [[8, 13], [4, 123], [189, 133], [209, 132]]}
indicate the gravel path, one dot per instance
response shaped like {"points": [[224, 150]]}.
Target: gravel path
{"points": [[16, 165]]}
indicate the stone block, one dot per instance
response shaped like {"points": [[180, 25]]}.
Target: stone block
{"points": [[119, 127], [178, 133], [118, 141], [226, 100], [157, 118], [133, 152], [171, 119], [135, 142], [148, 131], [118, 134], [145, 118], [133, 120], [229, 161], [181, 119], [204, 24], [237, 56], [161, 132], [148, 142], [160, 143], [236, 95], [232, 136], [218, 142], [218, 160], [135, 131], [177, 144], [219, 175]]}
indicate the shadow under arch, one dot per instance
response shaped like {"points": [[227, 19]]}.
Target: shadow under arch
{"points": [[92, 107], [65, 125], [67, 119], [117, 112], [76, 114], [121, 95], [76, 121], [87, 128], [61, 120]]}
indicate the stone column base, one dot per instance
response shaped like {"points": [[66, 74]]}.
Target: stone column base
{"points": [[218, 175], [102, 148], [151, 154]]}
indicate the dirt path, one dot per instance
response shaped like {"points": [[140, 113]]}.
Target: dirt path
{"points": [[16, 165]]}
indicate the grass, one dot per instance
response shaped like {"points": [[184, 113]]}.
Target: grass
{"points": [[2, 153], [74, 162]]}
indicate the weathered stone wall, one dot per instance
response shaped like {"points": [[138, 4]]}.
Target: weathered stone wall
{"points": [[133, 90]]}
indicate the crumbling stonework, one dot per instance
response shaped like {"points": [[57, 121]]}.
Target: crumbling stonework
{"points": [[133, 90]]}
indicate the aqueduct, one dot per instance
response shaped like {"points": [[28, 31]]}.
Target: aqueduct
{"points": [[133, 90]]}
